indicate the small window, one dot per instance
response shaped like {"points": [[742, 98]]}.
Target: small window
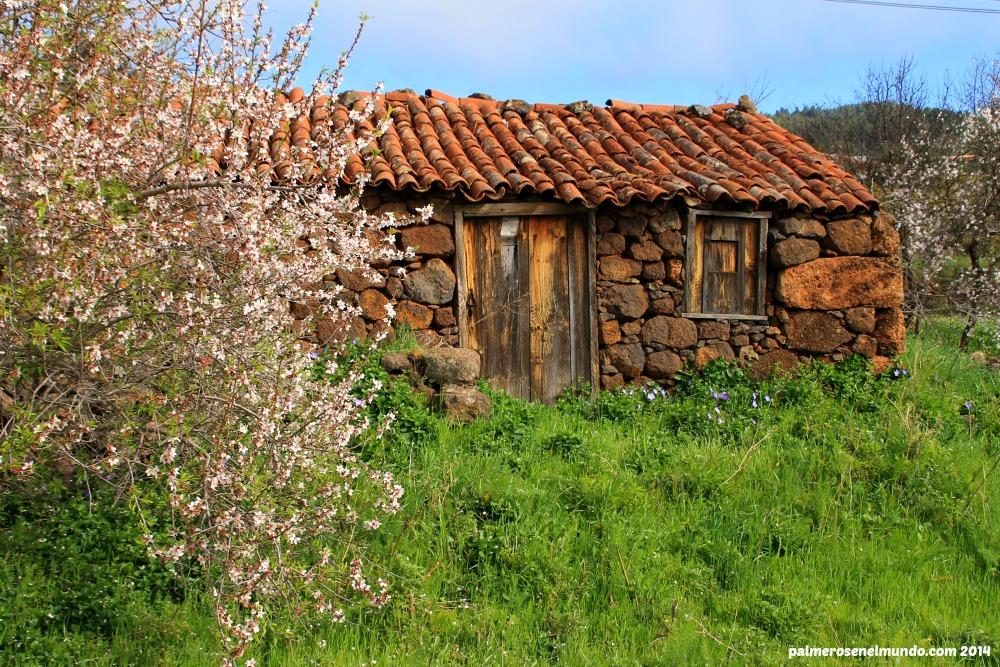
{"points": [[726, 264]]}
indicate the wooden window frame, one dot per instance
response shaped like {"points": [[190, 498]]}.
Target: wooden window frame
{"points": [[689, 263], [526, 209]]}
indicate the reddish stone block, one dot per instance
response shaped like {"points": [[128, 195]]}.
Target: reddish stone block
{"points": [[618, 269], [429, 240], [414, 315]]}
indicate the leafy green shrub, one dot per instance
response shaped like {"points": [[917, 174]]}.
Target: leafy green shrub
{"points": [[783, 614], [567, 445], [492, 516], [853, 382], [73, 566], [510, 424], [414, 422], [620, 405]]}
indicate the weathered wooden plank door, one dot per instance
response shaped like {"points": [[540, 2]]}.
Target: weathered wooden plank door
{"points": [[496, 281], [528, 302], [723, 291]]}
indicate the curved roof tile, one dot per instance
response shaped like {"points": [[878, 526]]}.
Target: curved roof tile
{"points": [[486, 149]]}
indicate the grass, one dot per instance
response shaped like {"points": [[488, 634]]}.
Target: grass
{"points": [[620, 530]]}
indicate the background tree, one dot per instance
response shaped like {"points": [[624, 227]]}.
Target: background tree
{"points": [[945, 191], [924, 154], [149, 249]]}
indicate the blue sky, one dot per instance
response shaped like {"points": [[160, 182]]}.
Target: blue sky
{"points": [[672, 51]]}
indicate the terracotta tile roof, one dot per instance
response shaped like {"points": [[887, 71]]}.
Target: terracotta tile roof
{"points": [[581, 153]]}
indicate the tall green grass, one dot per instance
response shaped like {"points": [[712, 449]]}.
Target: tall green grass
{"points": [[628, 530]]}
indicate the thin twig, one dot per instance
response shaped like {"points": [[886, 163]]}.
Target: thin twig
{"points": [[624, 571], [745, 457], [708, 634]]}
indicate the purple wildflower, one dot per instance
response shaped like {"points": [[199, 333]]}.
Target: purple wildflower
{"points": [[720, 395]]}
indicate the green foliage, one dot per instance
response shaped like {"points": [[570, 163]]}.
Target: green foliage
{"points": [[74, 568], [851, 129], [832, 508]]}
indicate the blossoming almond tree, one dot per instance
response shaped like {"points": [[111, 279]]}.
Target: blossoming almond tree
{"points": [[946, 195], [155, 223]]}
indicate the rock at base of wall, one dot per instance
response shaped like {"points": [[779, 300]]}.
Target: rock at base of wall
{"points": [[663, 365], [444, 318], [708, 329], [358, 281], [866, 346], [394, 287], [706, 354], [834, 283], [890, 331], [430, 339], [396, 362], [628, 358], [881, 365], [609, 382], [861, 320], [775, 362], [815, 331], [373, 304], [451, 365], [334, 330], [413, 315], [464, 404]]}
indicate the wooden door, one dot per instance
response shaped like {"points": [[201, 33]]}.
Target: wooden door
{"points": [[528, 306]]}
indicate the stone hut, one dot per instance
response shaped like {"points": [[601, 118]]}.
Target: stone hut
{"points": [[616, 244]]}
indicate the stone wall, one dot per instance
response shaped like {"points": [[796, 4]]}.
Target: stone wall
{"points": [[422, 295], [833, 288]]}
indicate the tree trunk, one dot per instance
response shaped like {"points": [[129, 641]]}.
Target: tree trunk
{"points": [[963, 342]]}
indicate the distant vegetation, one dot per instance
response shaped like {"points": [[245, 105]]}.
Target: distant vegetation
{"points": [[934, 166], [849, 130]]}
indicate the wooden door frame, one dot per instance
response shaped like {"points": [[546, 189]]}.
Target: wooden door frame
{"points": [[762, 218], [523, 210]]}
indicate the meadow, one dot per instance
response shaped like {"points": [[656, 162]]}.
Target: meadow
{"points": [[720, 525]]}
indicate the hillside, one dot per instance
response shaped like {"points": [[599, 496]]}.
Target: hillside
{"points": [[860, 129], [633, 528]]}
